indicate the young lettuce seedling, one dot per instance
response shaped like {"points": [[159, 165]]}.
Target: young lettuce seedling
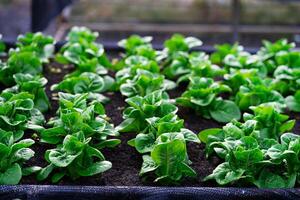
{"points": [[293, 102], [155, 104], [74, 158], [34, 85], [75, 115], [202, 96], [145, 82], [19, 62], [14, 153], [270, 51], [256, 91], [41, 45], [169, 158], [82, 50], [133, 64], [223, 50], [17, 114], [286, 80], [87, 82]]}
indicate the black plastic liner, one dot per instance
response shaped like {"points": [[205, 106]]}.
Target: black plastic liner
{"points": [[51, 192]]}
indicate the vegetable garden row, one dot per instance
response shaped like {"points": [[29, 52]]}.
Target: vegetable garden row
{"points": [[248, 101]]}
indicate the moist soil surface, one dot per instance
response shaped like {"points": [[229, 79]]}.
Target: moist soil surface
{"points": [[126, 161]]}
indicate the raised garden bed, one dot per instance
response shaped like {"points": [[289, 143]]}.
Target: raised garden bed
{"points": [[126, 161]]}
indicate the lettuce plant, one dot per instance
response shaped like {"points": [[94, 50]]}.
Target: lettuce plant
{"points": [[163, 143], [155, 104], [82, 50], [87, 82], [256, 91], [223, 50], [41, 45], [145, 82], [34, 85], [75, 115], [202, 96], [286, 80], [132, 65], [21, 62], [269, 49], [293, 102], [257, 151], [185, 65], [136, 49], [245, 60], [139, 46], [13, 155], [177, 48], [144, 142], [169, 158], [238, 77], [269, 121], [17, 113], [73, 158], [179, 43], [290, 59]]}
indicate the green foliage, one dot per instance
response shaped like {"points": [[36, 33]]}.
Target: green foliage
{"points": [[73, 158], [293, 102], [19, 62], [179, 43], [82, 51], [145, 82], [185, 65], [168, 159], [286, 80], [223, 50], [34, 85], [202, 96], [155, 104], [270, 122], [161, 136], [75, 115], [136, 45], [238, 77], [133, 64], [256, 91], [17, 113], [80, 130], [245, 60], [41, 45], [87, 82], [258, 151], [13, 155]]}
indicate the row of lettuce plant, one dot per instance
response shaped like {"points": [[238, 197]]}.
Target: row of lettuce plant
{"points": [[90, 62], [80, 128], [22, 104], [161, 137]]}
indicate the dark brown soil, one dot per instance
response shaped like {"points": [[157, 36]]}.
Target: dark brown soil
{"points": [[125, 160]]}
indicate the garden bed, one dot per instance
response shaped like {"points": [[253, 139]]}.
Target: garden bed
{"points": [[123, 172], [126, 160]]}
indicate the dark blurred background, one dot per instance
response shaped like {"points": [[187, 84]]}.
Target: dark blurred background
{"points": [[213, 21]]}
